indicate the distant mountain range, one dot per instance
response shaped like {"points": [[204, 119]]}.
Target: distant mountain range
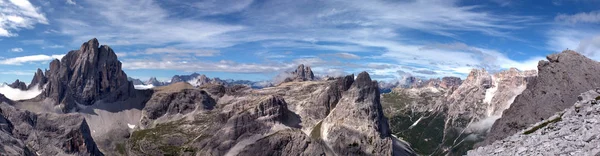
{"points": [[197, 80]]}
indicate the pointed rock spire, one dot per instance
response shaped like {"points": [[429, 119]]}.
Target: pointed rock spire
{"points": [[18, 84], [39, 80], [302, 73]]}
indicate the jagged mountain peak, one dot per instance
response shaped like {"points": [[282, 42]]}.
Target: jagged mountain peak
{"points": [[39, 80], [302, 73], [363, 79], [86, 75], [18, 84]]}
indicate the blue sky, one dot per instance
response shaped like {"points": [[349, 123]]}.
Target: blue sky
{"points": [[256, 40]]}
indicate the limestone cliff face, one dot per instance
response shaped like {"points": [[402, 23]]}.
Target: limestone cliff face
{"points": [[484, 95], [506, 86], [444, 114], [357, 126], [86, 75], [467, 99], [559, 81]]}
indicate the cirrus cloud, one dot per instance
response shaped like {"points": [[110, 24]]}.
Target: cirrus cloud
{"points": [[18, 14], [28, 59]]}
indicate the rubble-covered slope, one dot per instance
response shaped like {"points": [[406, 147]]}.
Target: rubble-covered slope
{"points": [[560, 79], [574, 131]]}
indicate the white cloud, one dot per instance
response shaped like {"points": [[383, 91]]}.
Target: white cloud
{"points": [[53, 46], [198, 65], [347, 56], [71, 2], [590, 47], [583, 17], [13, 72], [143, 22], [216, 7], [16, 50], [578, 35], [353, 26], [35, 41], [18, 14], [17, 94], [28, 59], [171, 50]]}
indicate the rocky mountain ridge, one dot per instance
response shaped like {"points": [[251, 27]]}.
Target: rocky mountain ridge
{"points": [[438, 120], [263, 121], [197, 80], [105, 115]]}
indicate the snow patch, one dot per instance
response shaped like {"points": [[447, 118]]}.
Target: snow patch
{"points": [[130, 126], [489, 95], [17, 94], [143, 87], [194, 82], [490, 92], [416, 122]]}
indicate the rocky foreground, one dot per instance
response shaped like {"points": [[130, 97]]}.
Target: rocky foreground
{"points": [[560, 80], [26, 133], [574, 131]]}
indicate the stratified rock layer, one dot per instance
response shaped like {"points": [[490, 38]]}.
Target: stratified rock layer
{"points": [[559, 81]]}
